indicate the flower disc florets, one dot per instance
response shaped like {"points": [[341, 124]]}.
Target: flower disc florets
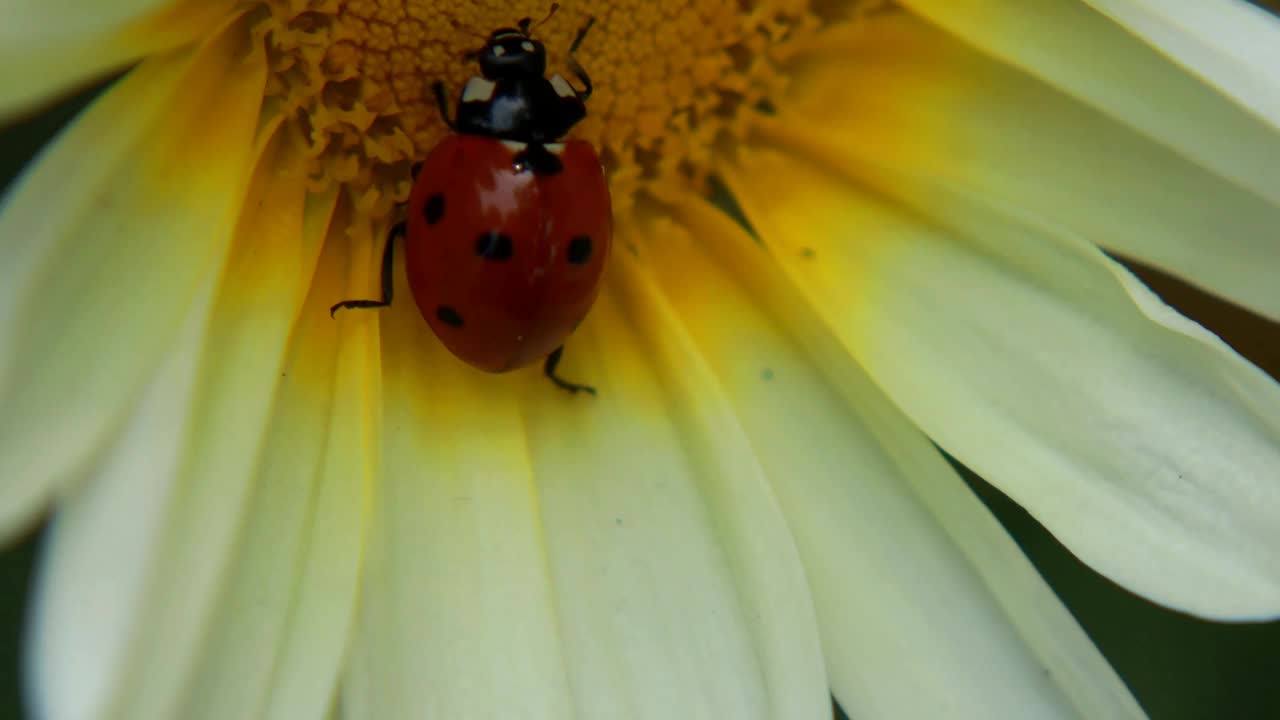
{"points": [[676, 82]]}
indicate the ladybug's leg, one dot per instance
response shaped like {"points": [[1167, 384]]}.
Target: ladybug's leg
{"points": [[443, 101], [573, 64], [549, 369], [388, 266]]}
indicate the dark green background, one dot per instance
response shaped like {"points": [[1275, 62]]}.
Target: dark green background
{"points": [[1177, 666]]}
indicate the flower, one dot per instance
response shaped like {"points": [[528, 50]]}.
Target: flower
{"points": [[261, 511]]}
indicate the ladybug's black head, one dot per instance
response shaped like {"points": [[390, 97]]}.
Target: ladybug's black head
{"points": [[511, 53]]}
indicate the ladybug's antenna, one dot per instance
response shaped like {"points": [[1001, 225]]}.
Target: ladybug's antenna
{"points": [[525, 22], [582, 34]]}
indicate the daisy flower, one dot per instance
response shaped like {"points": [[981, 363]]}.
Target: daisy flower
{"points": [[849, 236]]}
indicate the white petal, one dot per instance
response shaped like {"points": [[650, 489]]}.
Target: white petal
{"points": [[1140, 440], [928, 608], [1196, 191], [730, 483], [1230, 43], [104, 548], [662, 598], [106, 241]]}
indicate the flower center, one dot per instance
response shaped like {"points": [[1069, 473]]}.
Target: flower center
{"points": [[675, 81]]}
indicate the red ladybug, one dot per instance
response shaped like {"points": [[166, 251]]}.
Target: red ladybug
{"points": [[507, 228]]}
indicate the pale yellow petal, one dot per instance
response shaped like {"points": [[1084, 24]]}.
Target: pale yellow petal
{"points": [[914, 101], [928, 608], [662, 591], [1086, 56], [259, 643], [198, 499], [576, 556], [1232, 44], [732, 483], [106, 240], [102, 547], [457, 615], [1140, 440], [49, 48], [331, 563]]}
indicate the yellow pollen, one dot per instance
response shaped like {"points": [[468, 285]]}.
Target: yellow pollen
{"points": [[676, 81]]}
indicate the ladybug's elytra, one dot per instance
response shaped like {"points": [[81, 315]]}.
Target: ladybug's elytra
{"points": [[507, 227]]}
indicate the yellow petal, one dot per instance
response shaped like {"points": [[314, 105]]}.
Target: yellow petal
{"points": [[258, 641], [911, 106], [1139, 439], [201, 470], [1089, 58], [660, 592], [457, 614], [734, 483], [908, 569], [107, 239], [575, 555], [332, 545], [47, 48]]}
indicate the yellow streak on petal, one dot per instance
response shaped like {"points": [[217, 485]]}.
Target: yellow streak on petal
{"points": [[801, 211], [238, 668], [333, 547], [44, 53], [106, 241], [910, 110], [1121, 76], [268, 274], [458, 612]]}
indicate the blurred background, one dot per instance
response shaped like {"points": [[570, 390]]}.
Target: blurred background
{"points": [[1177, 666]]}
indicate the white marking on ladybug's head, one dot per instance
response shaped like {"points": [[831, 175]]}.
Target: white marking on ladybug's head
{"points": [[555, 148], [499, 50], [562, 86], [526, 46], [478, 89], [514, 146]]}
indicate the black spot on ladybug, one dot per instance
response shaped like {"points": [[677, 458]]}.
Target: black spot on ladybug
{"points": [[448, 316], [579, 249], [433, 208], [415, 169], [493, 245]]}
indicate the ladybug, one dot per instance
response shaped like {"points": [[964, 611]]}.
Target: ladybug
{"points": [[507, 227]]}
